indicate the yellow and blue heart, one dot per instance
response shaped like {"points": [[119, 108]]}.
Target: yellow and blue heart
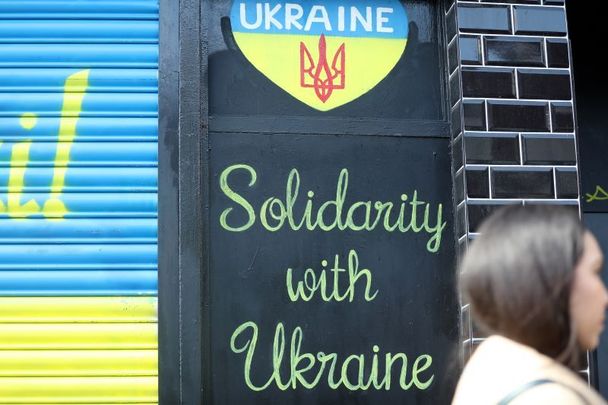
{"points": [[325, 54]]}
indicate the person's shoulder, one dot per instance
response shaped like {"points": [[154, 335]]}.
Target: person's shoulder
{"points": [[551, 393]]}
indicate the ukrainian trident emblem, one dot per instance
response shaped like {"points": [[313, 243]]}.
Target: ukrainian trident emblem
{"points": [[321, 76], [324, 54]]}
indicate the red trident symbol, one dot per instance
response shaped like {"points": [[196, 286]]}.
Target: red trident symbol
{"points": [[320, 76]]}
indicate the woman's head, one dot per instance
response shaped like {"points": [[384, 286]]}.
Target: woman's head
{"points": [[531, 276]]}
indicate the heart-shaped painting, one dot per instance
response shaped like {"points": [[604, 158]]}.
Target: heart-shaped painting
{"points": [[325, 53]]}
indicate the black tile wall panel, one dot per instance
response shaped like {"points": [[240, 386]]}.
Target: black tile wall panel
{"points": [[470, 50], [465, 318], [478, 332], [457, 153], [549, 149], [514, 51], [451, 26], [484, 82], [540, 20], [522, 183], [555, 2], [562, 117], [454, 89], [462, 249], [531, 116], [478, 183], [557, 53], [484, 19], [459, 187], [456, 121], [544, 84], [492, 148], [566, 181], [461, 221], [474, 115], [453, 56], [477, 212]]}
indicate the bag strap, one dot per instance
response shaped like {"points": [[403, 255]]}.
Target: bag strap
{"points": [[535, 383]]}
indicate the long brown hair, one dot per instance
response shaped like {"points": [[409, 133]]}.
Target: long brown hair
{"points": [[518, 274]]}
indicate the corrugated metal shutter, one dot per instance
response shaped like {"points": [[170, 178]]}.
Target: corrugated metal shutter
{"points": [[78, 202]]}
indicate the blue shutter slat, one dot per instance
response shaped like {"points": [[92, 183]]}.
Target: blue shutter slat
{"points": [[89, 179], [79, 55], [77, 283], [93, 105], [97, 9], [79, 230], [87, 129], [93, 256], [96, 205], [126, 154], [100, 80], [75, 31]]}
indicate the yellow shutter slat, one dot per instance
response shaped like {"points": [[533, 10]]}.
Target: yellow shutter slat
{"points": [[77, 309], [77, 336]]}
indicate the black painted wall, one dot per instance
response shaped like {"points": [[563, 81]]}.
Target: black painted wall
{"points": [[512, 133], [585, 25], [201, 135]]}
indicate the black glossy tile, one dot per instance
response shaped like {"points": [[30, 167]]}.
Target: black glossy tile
{"points": [[456, 121], [573, 205], [457, 153], [549, 150], [488, 82], [492, 148], [461, 223], [453, 56], [470, 50], [567, 183], [563, 117], [555, 2], [450, 22], [557, 53], [507, 51], [462, 249], [514, 1], [540, 20], [484, 19], [459, 187], [454, 89], [478, 212], [474, 115], [478, 333], [520, 183], [465, 327], [477, 183], [544, 84], [528, 116]]}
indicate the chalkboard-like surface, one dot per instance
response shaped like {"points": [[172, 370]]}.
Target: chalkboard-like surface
{"points": [[402, 301], [585, 26]]}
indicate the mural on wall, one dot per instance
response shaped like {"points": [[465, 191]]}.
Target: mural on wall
{"points": [[325, 54], [600, 194], [74, 91]]}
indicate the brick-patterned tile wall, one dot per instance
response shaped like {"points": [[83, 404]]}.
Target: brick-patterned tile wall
{"points": [[513, 121]]}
